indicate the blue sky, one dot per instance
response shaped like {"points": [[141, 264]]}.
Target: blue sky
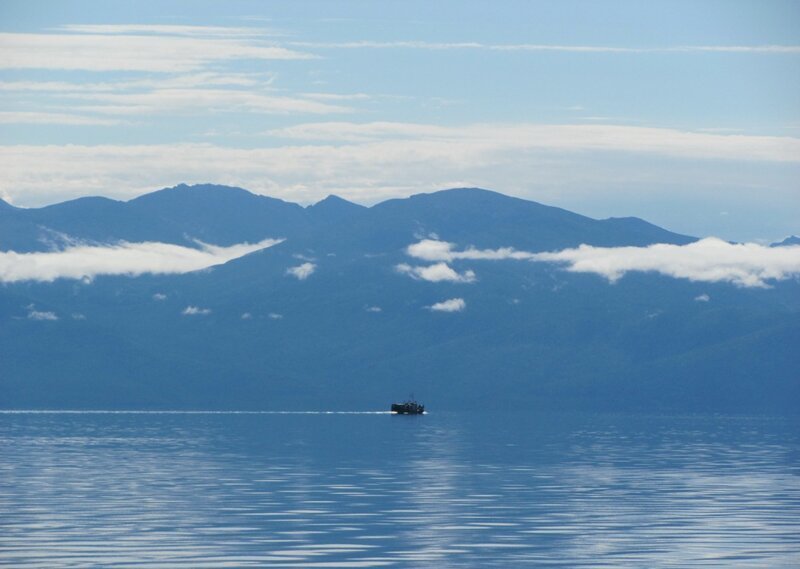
{"points": [[684, 113]]}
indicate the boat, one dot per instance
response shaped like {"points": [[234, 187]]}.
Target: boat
{"points": [[409, 407]]}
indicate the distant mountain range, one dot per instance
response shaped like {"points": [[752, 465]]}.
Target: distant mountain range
{"points": [[339, 316]]}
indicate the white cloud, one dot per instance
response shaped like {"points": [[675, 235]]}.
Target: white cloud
{"points": [[192, 100], [247, 316], [373, 161], [451, 305], [302, 272], [702, 298], [338, 96], [161, 29], [436, 273], [20, 117], [707, 260], [672, 142], [374, 309], [129, 52], [159, 296], [78, 316], [439, 46], [132, 259], [179, 81], [196, 311], [275, 316], [34, 314], [434, 250]]}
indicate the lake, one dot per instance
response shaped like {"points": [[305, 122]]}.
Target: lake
{"points": [[197, 490]]}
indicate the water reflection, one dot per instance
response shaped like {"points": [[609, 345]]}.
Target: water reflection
{"points": [[266, 490]]}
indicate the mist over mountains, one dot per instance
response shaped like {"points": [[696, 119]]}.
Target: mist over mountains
{"points": [[469, 298]]}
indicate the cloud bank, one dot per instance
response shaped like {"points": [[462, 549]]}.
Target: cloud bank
{"points": [[130, 259], [706, 260], [451, 305], [371, 161]]}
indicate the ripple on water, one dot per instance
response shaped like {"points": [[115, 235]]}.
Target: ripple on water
{"points": [[237, 490]]}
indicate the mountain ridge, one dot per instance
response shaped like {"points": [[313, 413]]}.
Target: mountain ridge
{"points": [[334, 317], [225, 215]]}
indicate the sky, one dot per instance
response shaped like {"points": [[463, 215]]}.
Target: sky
{"points": [[686, 114]]}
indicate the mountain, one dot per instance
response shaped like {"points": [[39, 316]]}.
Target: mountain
{"points": [[356, 332], [791, 240], [334, 209], [215, 214]]}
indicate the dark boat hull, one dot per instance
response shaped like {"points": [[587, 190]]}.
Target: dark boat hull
{"points": [[408, 408]]}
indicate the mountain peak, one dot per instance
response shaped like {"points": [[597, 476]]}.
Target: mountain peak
{"points": [[791, 240], [334, 200], [334, 208], [465, 192], [201, 190]]}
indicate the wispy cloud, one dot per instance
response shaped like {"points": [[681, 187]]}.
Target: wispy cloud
{"points": [[338, 96], [546, 48], [194, 100], [706, 260], [507, 137], [373, 161], [302, 272], [166, 29], [34, 314], [196, 311], [179, 81], [156, 52], [132, 259], [438, 272], [451, 305], [35, 117]]}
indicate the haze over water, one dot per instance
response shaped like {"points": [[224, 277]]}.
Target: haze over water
{"points": [[368, 490]]}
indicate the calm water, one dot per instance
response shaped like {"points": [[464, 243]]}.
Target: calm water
{"points": [[371, 490]]}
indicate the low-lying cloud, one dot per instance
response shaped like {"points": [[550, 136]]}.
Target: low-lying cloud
{"points": [[435, 250], [450, 305], [84, 262], [706, 260], [196, 311], [302, 272], [438, 272], [34, 314]]}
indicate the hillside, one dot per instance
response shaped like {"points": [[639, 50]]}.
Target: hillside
{"points": [[357, 331]]}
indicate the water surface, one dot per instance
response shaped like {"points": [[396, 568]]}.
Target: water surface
{"points": [[372, 489]]}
